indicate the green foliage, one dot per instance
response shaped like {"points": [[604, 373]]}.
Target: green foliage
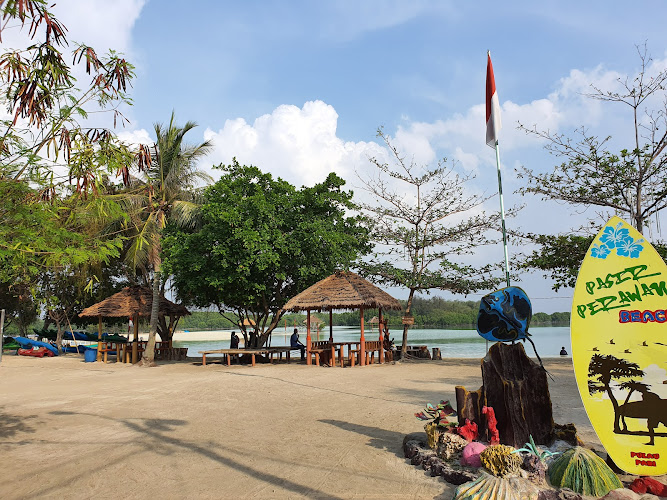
{"points": [[583, 472], [47, 111], [262, 241], [431, 312], [560, 256]]}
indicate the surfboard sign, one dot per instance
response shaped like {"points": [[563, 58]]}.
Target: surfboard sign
{"points": [[619, 347]]}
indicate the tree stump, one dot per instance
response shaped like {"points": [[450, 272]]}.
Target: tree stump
{"points": [[469, 406], [518, 391]]}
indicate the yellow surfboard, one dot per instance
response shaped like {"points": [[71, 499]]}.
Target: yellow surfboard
{"points": [[619, 347]]}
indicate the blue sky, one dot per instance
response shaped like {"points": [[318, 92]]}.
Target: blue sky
{"points": [[299, 88]]}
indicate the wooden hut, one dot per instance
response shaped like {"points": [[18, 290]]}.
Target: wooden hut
{"points": [[135, 302], [342, 290]]}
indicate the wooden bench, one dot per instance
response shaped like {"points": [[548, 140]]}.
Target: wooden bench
{"points": [[269, 351]]}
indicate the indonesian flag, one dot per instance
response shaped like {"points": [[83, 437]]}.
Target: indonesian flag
{"points": [[493, 124]]}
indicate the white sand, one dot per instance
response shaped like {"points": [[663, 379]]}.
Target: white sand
{"points": [[75, 430]]}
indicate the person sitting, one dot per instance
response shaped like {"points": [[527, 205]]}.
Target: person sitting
{"points": [[296, 343], [234, 341], [563, 352]]}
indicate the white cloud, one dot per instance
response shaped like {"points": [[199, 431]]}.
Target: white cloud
{"points": [[298, 144], [99, 23]]}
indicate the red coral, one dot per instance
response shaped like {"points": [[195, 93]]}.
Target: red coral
{"points": [[468, 431], [492, 423], [643, 485]]}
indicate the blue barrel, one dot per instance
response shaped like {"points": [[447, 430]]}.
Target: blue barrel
{"points": [[90, 355]]}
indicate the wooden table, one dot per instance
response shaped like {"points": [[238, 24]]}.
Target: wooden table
{"points": [[334, 352]]}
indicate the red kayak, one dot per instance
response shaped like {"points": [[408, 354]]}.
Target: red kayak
{"points": [[37, 353]]}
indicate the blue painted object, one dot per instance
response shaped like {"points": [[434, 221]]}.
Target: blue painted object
{"points": [[90, 355], [504, 315]]}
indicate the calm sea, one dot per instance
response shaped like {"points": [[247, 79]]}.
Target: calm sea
{"points": [[452, 343]]}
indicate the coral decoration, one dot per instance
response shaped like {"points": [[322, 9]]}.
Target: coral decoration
{"points": [[643, 485], [470, 455], [500, 461], [492, 423], [468, 431], [487, 487], [582, 471]]}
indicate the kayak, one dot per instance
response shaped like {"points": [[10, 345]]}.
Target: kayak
{"points": [[29, 344], [37, 353]]}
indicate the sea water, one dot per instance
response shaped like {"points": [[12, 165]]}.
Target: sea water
{"points": [[452, 343]]}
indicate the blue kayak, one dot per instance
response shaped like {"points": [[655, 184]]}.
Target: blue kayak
{"points": [[29, 344]]}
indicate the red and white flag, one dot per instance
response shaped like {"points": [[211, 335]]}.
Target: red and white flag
{"points": [[493, 124]]}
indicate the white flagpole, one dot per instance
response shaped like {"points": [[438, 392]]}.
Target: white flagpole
{"points": [[502, 216]]}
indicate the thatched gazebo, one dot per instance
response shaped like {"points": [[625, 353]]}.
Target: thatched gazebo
{"points": [[342, 290], [135, 302]]}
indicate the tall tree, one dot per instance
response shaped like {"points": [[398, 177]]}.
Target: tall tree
{"points": [[47, 146], [261, 242], [168, 193], [422, 216], [632, 181]]}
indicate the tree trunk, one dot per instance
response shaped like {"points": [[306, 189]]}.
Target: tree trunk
{"points": [[149, 354], [404, 347], [59, 336]]}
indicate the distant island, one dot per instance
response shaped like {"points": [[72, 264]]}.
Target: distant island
{"points": [[431, 312]]}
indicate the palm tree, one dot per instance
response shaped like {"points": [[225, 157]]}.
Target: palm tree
{"points": [[167, 193], [602, 370]]}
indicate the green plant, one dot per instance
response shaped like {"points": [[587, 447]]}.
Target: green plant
{"points": [[531, 447]]}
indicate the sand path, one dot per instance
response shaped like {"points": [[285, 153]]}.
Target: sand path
{"points": [[73, 430]]}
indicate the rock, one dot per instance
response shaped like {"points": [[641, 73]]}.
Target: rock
{"points": [[470, 454], [567, 433], [561, 494], [625, 494], [417, 451], [449, 445], [535, 469]]}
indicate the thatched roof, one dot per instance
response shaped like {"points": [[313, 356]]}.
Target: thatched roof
{"points": [[131, 300], [342, 290]]}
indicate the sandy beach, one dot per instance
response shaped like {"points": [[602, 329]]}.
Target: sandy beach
{"points": [[71, 430]]}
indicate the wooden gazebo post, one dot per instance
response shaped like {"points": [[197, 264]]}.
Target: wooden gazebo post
{"points": [[135, 350], [381, 328], [99, 339], [362, 347], [309, 341]]}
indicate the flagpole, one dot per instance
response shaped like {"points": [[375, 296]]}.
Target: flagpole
{"points": [[502, 216]]}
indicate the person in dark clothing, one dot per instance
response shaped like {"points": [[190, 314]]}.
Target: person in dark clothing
{"points": [[234, 341], [295, 342], [563, 352]]}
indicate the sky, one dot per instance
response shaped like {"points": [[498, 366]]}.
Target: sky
{"points": [[299, 87]]}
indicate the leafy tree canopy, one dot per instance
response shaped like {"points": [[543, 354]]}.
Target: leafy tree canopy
{"points": [[261, 242]]}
